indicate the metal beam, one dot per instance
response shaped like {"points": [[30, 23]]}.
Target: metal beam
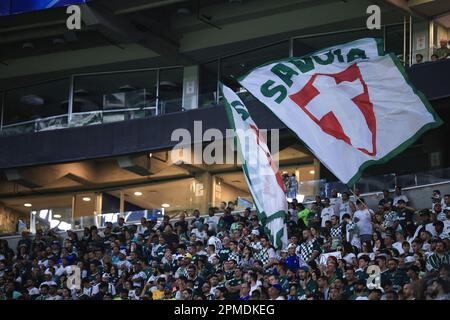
{"points": [[129, 164], [413, 3], [13, 175], [79, 179], [147, 5], [401, 4], [122, 30]]}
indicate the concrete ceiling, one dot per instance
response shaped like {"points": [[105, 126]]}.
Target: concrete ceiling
{"points": [[430, 8], [113, 173], [125, 31], [444, 20]]}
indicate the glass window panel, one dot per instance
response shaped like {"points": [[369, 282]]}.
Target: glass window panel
{"points": [[171, 90], [114, 97], [208, 83], [36, 108], [394, 40]]}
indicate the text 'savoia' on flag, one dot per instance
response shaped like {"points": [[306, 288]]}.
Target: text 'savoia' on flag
{"points": [[260, 171], [351, 104]]}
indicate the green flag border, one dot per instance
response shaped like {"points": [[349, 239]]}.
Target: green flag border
{"points": [[393, 153], [262, 216]]}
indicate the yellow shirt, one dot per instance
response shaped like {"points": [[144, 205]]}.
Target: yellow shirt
{"points": [[158, 294]]}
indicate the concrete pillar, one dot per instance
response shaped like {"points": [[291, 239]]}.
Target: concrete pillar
{"points": [[203, 192]]}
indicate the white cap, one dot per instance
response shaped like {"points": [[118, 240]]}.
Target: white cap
{"points": [[410, 259], [255, 232]]}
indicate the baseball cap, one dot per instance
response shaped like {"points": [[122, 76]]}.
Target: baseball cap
{"points": [[410, 259], [436, 194], [188, 255], [255, 232], [277, 286], [304, 268], [425, 212]]}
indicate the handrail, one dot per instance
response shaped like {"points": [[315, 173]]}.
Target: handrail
{"points": [[34, 121], [18, 124]]}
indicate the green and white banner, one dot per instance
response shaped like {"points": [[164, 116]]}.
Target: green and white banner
{"points": [[260, 171], [351, 104]]}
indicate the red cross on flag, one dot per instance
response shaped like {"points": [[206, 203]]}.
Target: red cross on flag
{"points": [[351, 104]]}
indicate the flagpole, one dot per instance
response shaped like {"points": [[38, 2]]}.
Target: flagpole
{"points": [[357, 198]]}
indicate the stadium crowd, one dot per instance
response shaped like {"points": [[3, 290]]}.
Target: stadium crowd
{"points": [[334, 244], [441, 53]]}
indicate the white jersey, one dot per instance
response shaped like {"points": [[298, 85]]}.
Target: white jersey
{"points": [[326, 215], [215, 242], [212, 222], [400, 197], [344, 208], [364, 221]]}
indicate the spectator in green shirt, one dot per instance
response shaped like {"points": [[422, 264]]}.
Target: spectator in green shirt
{"points": [[303, 214], [443, 52]]}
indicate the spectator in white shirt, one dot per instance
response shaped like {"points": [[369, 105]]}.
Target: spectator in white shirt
{"points": [[399, 243], [399, 195], [143, 226], [211, 220], [363, 218], [327, 212], [447, 221], [346, 206], [438, 212]]}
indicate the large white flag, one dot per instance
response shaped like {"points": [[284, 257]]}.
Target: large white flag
{"points": [[260, 171], [351, 104]]}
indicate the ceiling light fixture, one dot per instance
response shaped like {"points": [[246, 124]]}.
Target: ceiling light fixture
{"points": [[28, 45], [184, 12], [86, 199], [57, 216], [58, 41], [165, 205], [28, 205], [311, 172], [32, 100], [138, 193]]}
